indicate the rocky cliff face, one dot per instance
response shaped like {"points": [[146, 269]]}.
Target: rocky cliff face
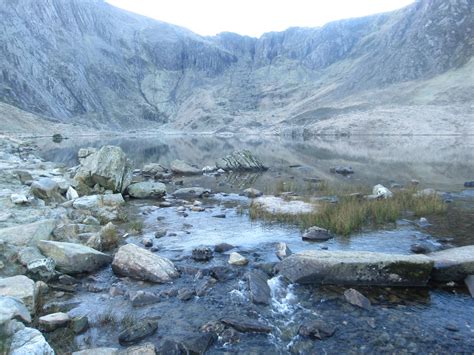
{"points": [[87, 62]]}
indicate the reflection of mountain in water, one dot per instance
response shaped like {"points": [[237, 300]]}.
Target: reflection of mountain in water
{"points": [[440, 161]]}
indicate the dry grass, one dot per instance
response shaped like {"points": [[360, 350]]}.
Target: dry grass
{"points": [[352, 213]]}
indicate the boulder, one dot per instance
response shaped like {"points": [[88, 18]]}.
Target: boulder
{"points": [[453, 264], [20, 287], [137, 332], [19, 199], [107, 167], [106, 239], [182, 168], [29, 341], [223, 247], [246, 325], [13, 308], [142, 298], [237, 259], [277, 205], [28, 234], [191, 192], [258, 286], [356, 268], [71, 193], [155, 170], [240, 161], [73, 258], [317, 329], [53, 321], [46, 189], [469, 184], [316, 234], [282, 251], [202, 254], [147, 189], [252, 193], [94, 202], [381, 191], [42, 269], [141, 264]]}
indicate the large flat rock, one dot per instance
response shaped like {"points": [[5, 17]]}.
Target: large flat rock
{"points": [[356, 268], [20, 287], [453, 264], [278, 205], [74, 258], [141, 264], [28, 234]]}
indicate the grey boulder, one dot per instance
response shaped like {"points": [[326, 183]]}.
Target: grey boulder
{"points": [[141, 264], [73, 258], [29, 341], [356, 268], [147, 189], [28, 234], [240, 161], [453, 264], [182, 168], [46, 189], [20, 287], [108, 167], [13, 308]]}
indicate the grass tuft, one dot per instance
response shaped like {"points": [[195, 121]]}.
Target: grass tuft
{"points": [[352, 213]]}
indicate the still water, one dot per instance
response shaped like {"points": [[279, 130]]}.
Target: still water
{"points": [[435, 319]]}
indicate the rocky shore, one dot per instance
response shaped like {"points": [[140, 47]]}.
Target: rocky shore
{"points": [[68, 237]]}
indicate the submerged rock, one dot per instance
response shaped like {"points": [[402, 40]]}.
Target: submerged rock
{"points": [[191, 192], [143, 298], [137, 332], [453, 264], [189, 344], [154, 169], [182, 168], [356, 268], [20, 287], [240, 161], [223, 247], [246, 325], [73, 258], [147, 189], [259, 289], [141, 264], [107, 167], [317, 329], [356, 298], [469, 184]]}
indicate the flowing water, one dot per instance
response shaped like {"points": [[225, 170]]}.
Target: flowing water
{"points": [[436, 319]]}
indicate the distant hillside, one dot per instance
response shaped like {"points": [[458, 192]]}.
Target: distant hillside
{"points": [[86, 62]]}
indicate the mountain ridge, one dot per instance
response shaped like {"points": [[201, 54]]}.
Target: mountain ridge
{"points": [[87, 62]]}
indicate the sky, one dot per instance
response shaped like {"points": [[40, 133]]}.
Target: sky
{"points": [[254, 17]]}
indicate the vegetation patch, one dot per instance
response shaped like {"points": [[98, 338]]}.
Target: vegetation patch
{"points": [[353, 211]]}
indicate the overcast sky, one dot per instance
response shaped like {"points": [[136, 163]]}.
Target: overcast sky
{"points": [[254, 17]]}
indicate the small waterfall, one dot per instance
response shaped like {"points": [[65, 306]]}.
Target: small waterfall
{"points": [[284, 301]]}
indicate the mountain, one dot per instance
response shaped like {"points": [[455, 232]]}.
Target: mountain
{"points": [[89, 63]]}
